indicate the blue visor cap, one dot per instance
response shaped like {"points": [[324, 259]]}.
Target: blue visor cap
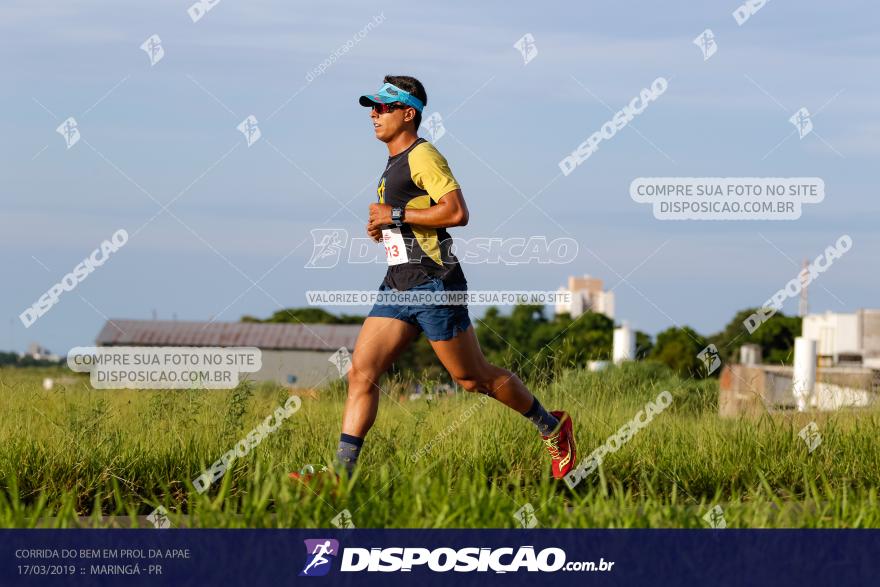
{"points": [[389, 93]]}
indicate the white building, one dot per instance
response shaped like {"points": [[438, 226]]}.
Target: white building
{"points": [[851, 336], [40, 353], [586, 295]]}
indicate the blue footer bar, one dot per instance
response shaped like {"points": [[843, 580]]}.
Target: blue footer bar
{"points": [[439, 557]]}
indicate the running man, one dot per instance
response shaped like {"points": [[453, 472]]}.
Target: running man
{"points": [[418, 199], [320, 551]]}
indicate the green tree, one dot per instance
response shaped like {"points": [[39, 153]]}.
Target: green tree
{"points": [[678, 348], [775, 337], [534, 346], [644, 345]]}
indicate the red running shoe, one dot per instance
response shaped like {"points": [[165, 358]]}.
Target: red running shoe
{"points": [[561, 446], [308, 476]]}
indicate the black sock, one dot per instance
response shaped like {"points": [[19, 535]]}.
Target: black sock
{"points": [[348, 451], [545, 421]]}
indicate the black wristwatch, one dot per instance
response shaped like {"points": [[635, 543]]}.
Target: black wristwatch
{"points": [[397, 216]]}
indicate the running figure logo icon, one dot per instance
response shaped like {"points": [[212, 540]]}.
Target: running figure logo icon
{"points": [[802, 122], [319, 554], [711, 358], [435, 128], [706, 43], [250, 128], [342, 360], [153, 48], [70, 131], [327, 245], [527, 48]]}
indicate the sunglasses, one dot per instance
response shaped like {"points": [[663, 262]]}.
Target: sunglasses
{"points": [[386, 108]]}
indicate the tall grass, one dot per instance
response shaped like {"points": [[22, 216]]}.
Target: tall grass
{"points": [[75, 452]]}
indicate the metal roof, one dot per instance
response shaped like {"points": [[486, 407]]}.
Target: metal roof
{"points": [[322, 337]]}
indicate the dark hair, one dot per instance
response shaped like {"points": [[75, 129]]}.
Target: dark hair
{"points": [[414, 87]]}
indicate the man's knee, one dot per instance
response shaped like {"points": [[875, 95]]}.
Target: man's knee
{"points": [[483, 381], [469, 384]]}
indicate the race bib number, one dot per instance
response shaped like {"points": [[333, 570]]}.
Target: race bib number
{"points": [[395, 248]]}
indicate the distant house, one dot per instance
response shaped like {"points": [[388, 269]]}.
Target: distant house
{"points": [[298, 355], [40, 353]]}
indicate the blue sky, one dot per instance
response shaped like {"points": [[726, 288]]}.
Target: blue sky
{"points": [[242, 213]]}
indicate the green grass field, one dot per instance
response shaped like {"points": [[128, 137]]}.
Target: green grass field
{"points": [[74, 452]]}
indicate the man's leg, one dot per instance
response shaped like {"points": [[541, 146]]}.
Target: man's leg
{"points": [[380, 342], [463, 358]]}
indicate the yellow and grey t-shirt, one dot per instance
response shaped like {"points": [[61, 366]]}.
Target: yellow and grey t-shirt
{"points": [[414, 179]]}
